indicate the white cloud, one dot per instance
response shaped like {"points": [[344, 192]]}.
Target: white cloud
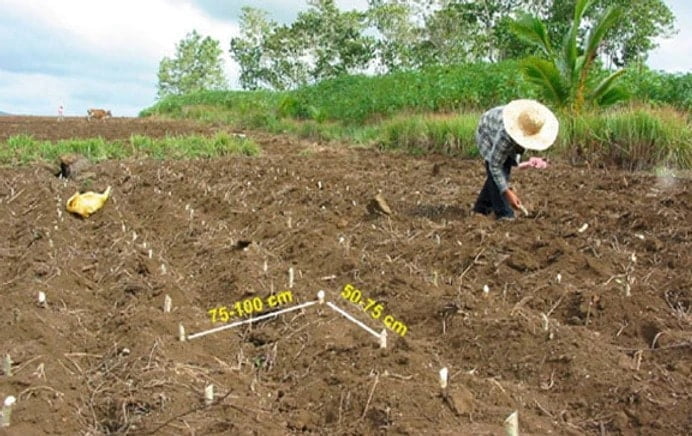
{"points": [[281, 11], [352, 4], [106, 53], [673, 54], [103, 46], [668, 56], [125, 28]]}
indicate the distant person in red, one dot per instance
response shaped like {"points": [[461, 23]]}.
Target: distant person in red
{"points": [[502, 136]]}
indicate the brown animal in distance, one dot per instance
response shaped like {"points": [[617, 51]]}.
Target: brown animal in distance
{"points": [[99, 114]]}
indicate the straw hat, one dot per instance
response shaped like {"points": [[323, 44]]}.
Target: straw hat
{"points": [[530, 124]]}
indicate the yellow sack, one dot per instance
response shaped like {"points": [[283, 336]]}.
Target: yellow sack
{"points": [[87, 203]]}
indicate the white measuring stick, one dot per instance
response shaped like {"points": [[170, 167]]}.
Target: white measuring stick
{"points": [[249, 320], [512, 424], [444, 372], [209, 394], [347, 315], [7, 411]]}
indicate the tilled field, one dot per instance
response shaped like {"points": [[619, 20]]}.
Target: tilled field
{"points": [[585, 328]]}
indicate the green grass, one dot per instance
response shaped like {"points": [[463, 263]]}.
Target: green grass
{"points": [[232, 100], [634, 138], [360, 99], [659, 88], [23, 149], [630, 137], [453, 135], [436, 109], [356, 99]]}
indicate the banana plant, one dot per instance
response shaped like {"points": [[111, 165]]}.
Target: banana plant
{"points": [[562, 73]]}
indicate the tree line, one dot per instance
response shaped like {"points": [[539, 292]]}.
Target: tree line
{"points": [[560, 40]]}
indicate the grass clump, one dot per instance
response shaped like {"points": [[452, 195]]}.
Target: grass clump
{"points": [[23, 149], [238, 108], [452, 135], [633, 138]]}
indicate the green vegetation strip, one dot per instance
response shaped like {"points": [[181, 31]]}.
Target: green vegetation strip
{"points": [[23, 149], [635, 138], [362, 99], [436, 110], [358, 99], [632, 137]]}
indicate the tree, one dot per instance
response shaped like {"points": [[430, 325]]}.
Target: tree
{"points": [[634, 36], [269, 55], [247, 49], [506, 43], [398, 34], [197, 65], [630, 39], [563, 74], [284, 52], [321, 43], [333, 42], [470, 30], [450, 35]]}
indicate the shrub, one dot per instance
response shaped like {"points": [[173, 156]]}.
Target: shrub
{"points": [[634, 138]]}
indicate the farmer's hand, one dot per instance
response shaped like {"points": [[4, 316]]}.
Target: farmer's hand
{"points": [[512, 199]]}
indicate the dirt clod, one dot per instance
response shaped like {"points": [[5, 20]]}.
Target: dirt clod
{"points": [[379, 205], [72, 165]]}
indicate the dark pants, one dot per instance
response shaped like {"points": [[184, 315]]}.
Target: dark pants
{"points": [[491, 199]]}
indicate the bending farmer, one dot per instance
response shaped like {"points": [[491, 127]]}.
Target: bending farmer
{"points": [[503, 134]]}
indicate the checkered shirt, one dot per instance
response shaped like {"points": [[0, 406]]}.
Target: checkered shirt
{"points": [[495, 145]]}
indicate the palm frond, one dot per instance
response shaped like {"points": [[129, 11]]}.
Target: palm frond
{"points": [[564, 77], [605, 85], [568, 49], [532, 30], [608, 20], [612, 96], [579, 8], [545, 75]]}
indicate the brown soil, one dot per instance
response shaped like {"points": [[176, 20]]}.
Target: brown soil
{"points": [[575, 356]]}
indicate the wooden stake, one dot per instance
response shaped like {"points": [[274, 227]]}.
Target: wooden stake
{"points": [[383, 339], [7, 411], [443, 378], [7, 365], [512, 424], [209, 394]]}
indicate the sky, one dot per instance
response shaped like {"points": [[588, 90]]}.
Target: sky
{"points": [[100, 53]]}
